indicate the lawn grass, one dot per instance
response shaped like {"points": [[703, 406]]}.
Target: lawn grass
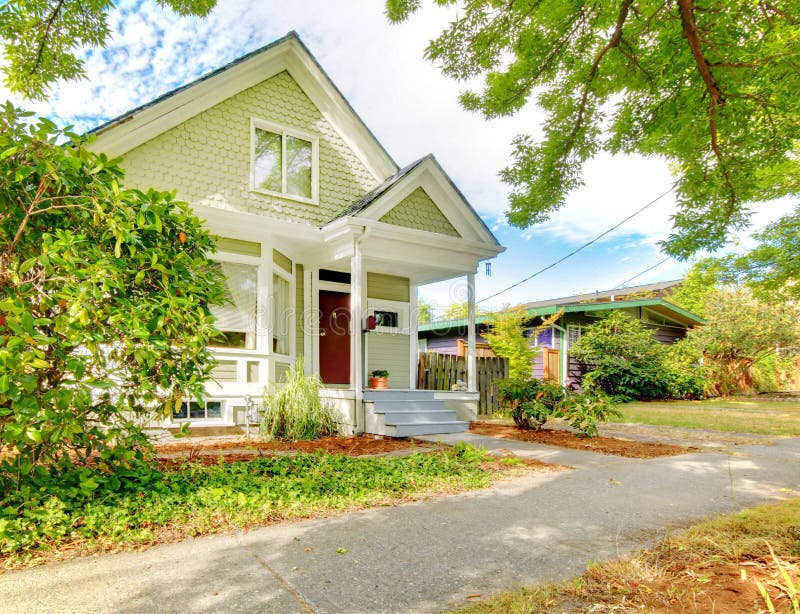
{"points": [[88, 510], [740, 415], [716, 565]]}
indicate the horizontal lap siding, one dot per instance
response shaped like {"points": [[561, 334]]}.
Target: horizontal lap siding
{"points": [[387, 287], [391, 353]]}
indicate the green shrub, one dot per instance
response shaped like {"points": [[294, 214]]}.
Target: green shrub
{"points": [[294, 410], [585, 409], [530, 401]]}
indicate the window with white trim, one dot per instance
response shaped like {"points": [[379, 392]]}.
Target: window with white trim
{"points": [[282, 312], [283, 162], [207, 410], [574, 332], [236, 319]]}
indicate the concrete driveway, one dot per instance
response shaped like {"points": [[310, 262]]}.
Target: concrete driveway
{"points": [[425, 556]]}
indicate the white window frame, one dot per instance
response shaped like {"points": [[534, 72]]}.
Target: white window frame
{"points": [[574, 332], [223, 407], [256, 262], [401, 308], [288, 277], [283, 131]]}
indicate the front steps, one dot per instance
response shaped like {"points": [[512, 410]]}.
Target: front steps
{"points": [[409, 413]]}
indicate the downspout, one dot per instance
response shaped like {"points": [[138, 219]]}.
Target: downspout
{"points": [[564, 351]]}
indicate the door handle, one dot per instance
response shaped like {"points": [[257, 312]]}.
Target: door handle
{"points": [[322, 333]]}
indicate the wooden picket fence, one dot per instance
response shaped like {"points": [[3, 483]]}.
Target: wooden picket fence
{"points": [[443, 371]]}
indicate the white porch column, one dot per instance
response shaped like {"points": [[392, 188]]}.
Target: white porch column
{"points": [[358, 293], [413, 296], [472, 363]]}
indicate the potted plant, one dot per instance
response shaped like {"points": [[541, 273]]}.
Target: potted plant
{"points": [[379, 379]]}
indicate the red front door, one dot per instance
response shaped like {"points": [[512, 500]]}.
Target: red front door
{"points": [[334, 337]]}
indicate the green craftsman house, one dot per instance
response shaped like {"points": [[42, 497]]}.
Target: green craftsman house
{"points": [[325, 238], [648, 303]]}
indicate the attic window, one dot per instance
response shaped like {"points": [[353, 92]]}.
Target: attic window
{"points": [[284, 162]]}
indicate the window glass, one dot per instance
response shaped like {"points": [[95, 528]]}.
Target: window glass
{"points": [[282, 320], [387, 319], [268, 161], [198, 411], [237, 318], [298, 167]]}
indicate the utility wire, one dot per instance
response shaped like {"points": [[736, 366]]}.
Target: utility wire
{"points": [[575, 251], [647, 270]]}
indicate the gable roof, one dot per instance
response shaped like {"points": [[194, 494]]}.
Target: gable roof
{"points": [[371, 196], [127, 131], [461, 213]]}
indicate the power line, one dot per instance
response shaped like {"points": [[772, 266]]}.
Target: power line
{"points": [[575, 251], [647, 270]]}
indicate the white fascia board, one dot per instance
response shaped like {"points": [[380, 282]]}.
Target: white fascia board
{"points": [[292, 236], [178, 108], [290, 55], [421, 238], [429, 176]]}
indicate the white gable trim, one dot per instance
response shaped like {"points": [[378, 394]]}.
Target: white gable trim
{"points": [[289, 55], [430, 177]]}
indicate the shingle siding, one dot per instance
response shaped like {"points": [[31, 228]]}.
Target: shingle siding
{"points": [[207, 158], [418, 211]]}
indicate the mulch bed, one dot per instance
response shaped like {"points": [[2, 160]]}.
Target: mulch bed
{"points": [[249, 448], [566, 439]]}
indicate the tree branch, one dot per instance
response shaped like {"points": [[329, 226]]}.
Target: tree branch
{"points": [[691, 34], [48, 26], [614, 41]]}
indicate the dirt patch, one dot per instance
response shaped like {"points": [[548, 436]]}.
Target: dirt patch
{"points": [[566, 439], [245, 449], [714, 587]]}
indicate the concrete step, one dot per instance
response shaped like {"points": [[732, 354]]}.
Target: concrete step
{"points": [[417, 417], [383, 405], [398, 395], [428, 428]]}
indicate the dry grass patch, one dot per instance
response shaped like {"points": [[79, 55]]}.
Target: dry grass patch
{"points": [[745, 562]]}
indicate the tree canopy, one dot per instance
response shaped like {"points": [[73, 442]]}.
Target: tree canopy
{"points": [[712, 89], [42, 37], [739, 332], [772, 269]]}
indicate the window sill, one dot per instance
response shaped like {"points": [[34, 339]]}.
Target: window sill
{"points": [[282, 196]]}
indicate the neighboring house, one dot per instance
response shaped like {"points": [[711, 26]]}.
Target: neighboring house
{"points": [[317, 222], [647, 302]]}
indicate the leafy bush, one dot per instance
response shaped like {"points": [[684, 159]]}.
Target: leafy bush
{"points": [[622, 357], [530, 401], [584, 410], [294, 409], [104, 299]]}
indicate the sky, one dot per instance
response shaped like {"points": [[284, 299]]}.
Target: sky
{"points": [[413, 110]]}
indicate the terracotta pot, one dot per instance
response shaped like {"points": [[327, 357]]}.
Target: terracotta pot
{"points": [[379, 382]]}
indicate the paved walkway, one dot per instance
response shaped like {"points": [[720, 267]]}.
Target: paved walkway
{"points": [[424, 556]]}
